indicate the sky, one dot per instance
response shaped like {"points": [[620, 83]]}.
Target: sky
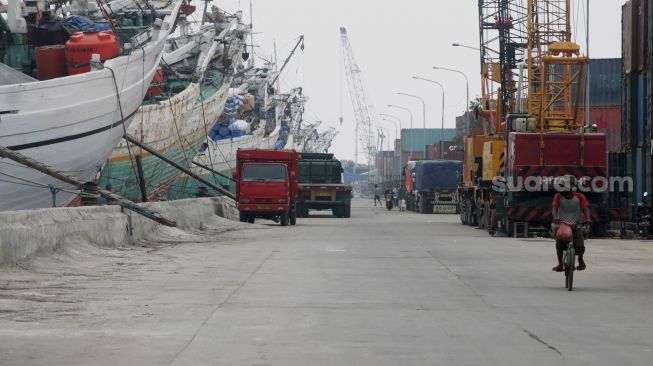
{"points": [[392, 41]]}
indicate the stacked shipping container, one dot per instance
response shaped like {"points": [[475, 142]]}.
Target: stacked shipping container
{"points": [[451, 151], [387, 169], [636, 94], [605, 99], [414, 141]]}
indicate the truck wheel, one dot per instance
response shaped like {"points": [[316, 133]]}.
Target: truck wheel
{"points": [[250, 219], [293, 215], [480, 215], [242, 216], [347, 213], [423, 205], [336, 212], [284, 219], [471, 217]]}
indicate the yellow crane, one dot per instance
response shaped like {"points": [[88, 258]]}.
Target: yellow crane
{"points": [[533, 86]]}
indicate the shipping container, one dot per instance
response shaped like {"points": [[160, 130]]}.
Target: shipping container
{"points": [[639, 171], [605, 81], [385, 163], [410, 156], [629, 36], [608, 121], [628, 112], [641, 31], [416, 139], [452, 151], [648, 55], [640, 103], [617, 167]]}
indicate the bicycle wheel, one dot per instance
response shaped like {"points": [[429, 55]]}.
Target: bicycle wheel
{"points": [[566, 269], [571, 266]]}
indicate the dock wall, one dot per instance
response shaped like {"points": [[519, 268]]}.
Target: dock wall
{"points": [[27, 233]]}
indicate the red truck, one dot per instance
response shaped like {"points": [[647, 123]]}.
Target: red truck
{"points": [[266, 185]]}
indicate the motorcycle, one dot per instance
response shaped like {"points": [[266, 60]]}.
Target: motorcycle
{"points": [[643, 214], [388, 201]]}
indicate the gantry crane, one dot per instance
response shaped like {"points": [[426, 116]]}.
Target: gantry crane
{"points": [[362, 110]]}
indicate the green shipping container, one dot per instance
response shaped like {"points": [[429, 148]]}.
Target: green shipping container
{"points": [[416, 139]]}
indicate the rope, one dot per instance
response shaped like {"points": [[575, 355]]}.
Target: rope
{"points": [[122, 115], [31, 183]]}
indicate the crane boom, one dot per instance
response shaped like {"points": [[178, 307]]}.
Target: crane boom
{"points": [[503, 44], [358, 99]]}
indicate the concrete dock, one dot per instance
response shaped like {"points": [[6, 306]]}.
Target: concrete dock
{"points": [[381, 288]]}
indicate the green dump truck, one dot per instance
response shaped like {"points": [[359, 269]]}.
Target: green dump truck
{"points": [[321, 186]]}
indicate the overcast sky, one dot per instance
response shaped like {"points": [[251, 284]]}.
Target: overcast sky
{"points": [[392, 41]]}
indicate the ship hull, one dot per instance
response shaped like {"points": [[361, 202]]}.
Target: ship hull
{"points": [[176, 129], [72, 123], [221, 157]]}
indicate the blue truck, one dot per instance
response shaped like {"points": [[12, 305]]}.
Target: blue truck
{"points": [[431, 185]]}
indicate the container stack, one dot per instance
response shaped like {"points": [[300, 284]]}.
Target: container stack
{"points": [[636, 89], [605, 99], [451, 150], [388, 173], [415, 141]]}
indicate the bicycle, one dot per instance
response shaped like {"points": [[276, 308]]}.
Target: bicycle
{"points": [[569, 259], [569, 265]]}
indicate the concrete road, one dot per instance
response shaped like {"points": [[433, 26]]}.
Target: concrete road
{"points": [[381, 288]]}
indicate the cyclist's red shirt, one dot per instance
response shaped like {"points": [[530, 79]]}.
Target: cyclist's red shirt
{"points": [[581, 197]]}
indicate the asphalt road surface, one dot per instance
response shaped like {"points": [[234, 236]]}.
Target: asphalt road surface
{"points": [[381, 288]]}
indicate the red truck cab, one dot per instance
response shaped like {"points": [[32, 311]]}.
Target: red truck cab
{"points": [[266, 185]]}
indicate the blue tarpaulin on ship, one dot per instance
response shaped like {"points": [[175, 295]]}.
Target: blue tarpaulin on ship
{"points": [[76, 23], [283, 137]]}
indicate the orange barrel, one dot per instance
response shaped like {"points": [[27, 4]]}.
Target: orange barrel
{"points": [[157, 87], [50, 61], [81, 46]]}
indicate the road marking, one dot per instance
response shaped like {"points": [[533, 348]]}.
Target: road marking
{"points": [[336, 250]]}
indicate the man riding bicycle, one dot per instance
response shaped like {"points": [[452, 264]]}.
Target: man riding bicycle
{"points": [[571, 207]]}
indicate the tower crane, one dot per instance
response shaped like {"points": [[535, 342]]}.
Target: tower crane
{"points": [[362, 110]]}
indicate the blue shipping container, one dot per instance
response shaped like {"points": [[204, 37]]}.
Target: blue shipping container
{"points": [[641, 102], [605, 81]]}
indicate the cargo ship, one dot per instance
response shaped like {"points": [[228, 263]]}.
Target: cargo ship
{"points": [[185, 99], [71, 85], [280, 113], [256, 116]]}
